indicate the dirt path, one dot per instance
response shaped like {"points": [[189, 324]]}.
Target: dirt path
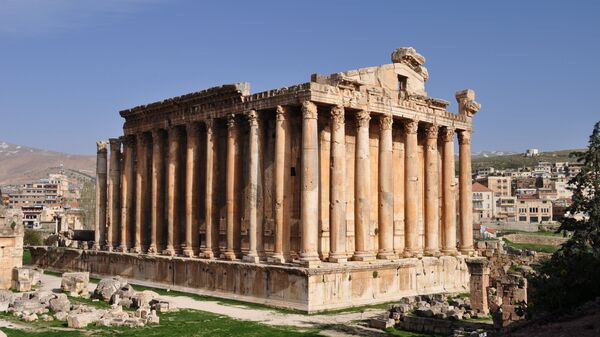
{"points": [[264, 316]]}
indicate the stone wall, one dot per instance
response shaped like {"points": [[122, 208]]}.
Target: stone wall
{"points": [[11, 252], [331, 286], [536, 239]]}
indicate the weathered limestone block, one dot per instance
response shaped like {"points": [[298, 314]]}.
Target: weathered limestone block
{"points": [[381, 323], [76, 284], [142, 299], [21, 280], [60, 303], [81, 316], [6, 299], [107, 287], [160, 305]]}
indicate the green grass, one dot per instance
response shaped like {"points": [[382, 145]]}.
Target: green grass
{"points": [[175, 324], [503, 232], [403, 333], [26, 257], [533, 247]]}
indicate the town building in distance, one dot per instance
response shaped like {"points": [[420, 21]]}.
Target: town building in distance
{"points": [[332, 193]]}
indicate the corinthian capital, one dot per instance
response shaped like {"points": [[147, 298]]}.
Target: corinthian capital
{"points": [[309, 110], [432, 131], [231, 121], [411, 126], [210, 124], [252, 117], [448, 134], [385, 122], [466, 102], [337, 116], [464, 137], [280, 112], [363, 118], [102, 145]]}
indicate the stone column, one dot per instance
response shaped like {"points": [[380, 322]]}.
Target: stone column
{"points": [[157, 189], [101, 197], [172, 183], [362, 188], [386, 189], [411, 197], [191, 186], [126, 191], [448, 197], [114, 187], [309, 209], [432, 201], [466, 194], [282, 237], [141, 193], [252, 194], [211, 232], [337, 222], [232, 134]]}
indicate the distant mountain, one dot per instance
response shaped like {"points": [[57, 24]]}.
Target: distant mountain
{"points": [[20, 164], [487, 154]]}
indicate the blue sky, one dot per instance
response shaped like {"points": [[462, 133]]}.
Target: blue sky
{"points": [[68, 66]]}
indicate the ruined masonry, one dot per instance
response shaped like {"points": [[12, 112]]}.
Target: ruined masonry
{"points": [[327, 194]]}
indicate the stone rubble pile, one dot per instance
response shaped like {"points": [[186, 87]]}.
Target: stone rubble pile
{"points": [[47, 306]]}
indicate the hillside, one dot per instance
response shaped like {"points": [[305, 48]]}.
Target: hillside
{"points": [[515, 161], [20, 164]]}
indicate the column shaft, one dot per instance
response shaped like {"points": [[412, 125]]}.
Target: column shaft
{"points": [[141, 181], [114, 186], [362, 188], [282, 239], [191, 186], [411, 196], [386, 189], [252, 192], [172, 189], [157, 190], [309, 208], [449, 201], [337, 222], [232, 134], [211, 232], [101, 195], [466, 195], [432, 201], [126, 192]]}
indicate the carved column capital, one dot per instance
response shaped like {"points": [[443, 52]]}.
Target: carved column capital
{"points": [[448, 134], [411, 126], [309, 110], [432, 131], [193, 127], [466, 102], [464, 137], [337, 116], [114, 142], [210, 124], [281, 112], [231, 124], [386, 121], [128, 140], [362, 118], [101, 146], [252, 117]]}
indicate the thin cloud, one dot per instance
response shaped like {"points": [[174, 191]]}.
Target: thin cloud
{"points": [[27, 18]]}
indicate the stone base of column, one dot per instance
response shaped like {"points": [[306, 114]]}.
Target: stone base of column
{"points": [[337, 258], [108, 248], [188, 252], [309, 260], [432, 252], [412, 253], [122, 249], [135, 250], [277, 258], [96, 246], [152, 250], [169, 251], [208, 254], [469, 251], [229, 256], [383, 255], [251, 258], [452, 252], [363, 256]]}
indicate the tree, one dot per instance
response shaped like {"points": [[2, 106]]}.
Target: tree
{"points": [[572, 275]]}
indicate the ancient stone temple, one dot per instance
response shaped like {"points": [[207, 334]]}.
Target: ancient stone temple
{"points": [[336, 192]]}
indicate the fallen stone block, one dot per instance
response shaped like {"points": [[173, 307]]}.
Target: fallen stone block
{"points": [[107, 287], [60, 303], [75, 284], [381, 323], [81, 320]]}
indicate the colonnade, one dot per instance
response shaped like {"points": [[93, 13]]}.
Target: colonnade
{"points": [[150, 175]]}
